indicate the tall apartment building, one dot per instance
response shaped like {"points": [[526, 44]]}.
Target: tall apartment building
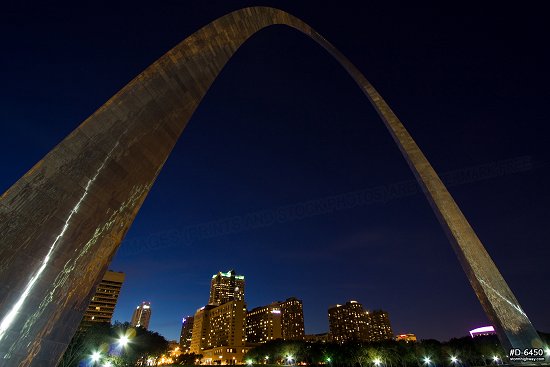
{"points": [[103, 303], [347, 322], [352, 322], [279, 320], [379, 327], [226, 287], [264, 324], [292, 319], [219, 333], [142, 315], [186, 333]]}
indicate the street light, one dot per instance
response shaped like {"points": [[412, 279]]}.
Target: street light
{"points": [[95, 357], [455, 360], [289, 359], [427, 360], [495, 358], [123, 340], [377, 362]]}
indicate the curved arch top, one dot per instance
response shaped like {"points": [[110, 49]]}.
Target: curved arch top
{"points": [[62, 222]]}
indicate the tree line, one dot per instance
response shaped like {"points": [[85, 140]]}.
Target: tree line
{"points": [[460, 352], [118, 345]]}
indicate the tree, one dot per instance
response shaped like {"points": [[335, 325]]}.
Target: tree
{"points": [[142, 345], [188, 358], [105, 339], [83, 343]]}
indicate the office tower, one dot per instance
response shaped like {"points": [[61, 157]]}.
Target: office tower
{"points": [[292, 319], [263, 324], [347, 322], [103, 303], [378, 326], [201, 330], [219, 333], [352, 322], [283, 319], [186, 333], [142, 315], [226, 287]]}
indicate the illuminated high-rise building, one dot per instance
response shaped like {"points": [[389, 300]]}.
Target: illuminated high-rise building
{"points": [[142, 315], [378, 326], [292, 319], [186, 333], [352, 322], [201, 330], [279, 320], [347, 322], [219, 333], [226, 287], [264, 324], [219, 327], [103, 303]]}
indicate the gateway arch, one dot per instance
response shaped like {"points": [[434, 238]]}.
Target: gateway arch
{"points": [[61, 223]]}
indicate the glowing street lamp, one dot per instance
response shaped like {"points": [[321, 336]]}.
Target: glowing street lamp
{"points": [[249, 362], [427, 360], [377, 362], [95, 357], [329, 360], [123, 340], [289, 359], [496, 359], [454, 359]]}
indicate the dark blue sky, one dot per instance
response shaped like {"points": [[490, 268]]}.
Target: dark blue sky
{"points": [[284, 124]]}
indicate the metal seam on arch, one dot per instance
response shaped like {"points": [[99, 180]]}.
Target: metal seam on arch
{"points": [[67, 216]]}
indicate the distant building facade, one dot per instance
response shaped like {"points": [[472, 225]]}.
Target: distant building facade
{"points": [[292, 319], [186, 333], [226, 287], [352, 322], [219, 333], [484, 330], [279, 320], [201, 330], [142, 315], [263, 324], [347, 322], [103, 303], [378, 326], [407, 338]]}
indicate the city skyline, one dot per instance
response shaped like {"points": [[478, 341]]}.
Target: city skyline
{"points": [[354, 238]]}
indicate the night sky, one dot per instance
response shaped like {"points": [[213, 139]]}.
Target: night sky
{"points": [[283, 125]]}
